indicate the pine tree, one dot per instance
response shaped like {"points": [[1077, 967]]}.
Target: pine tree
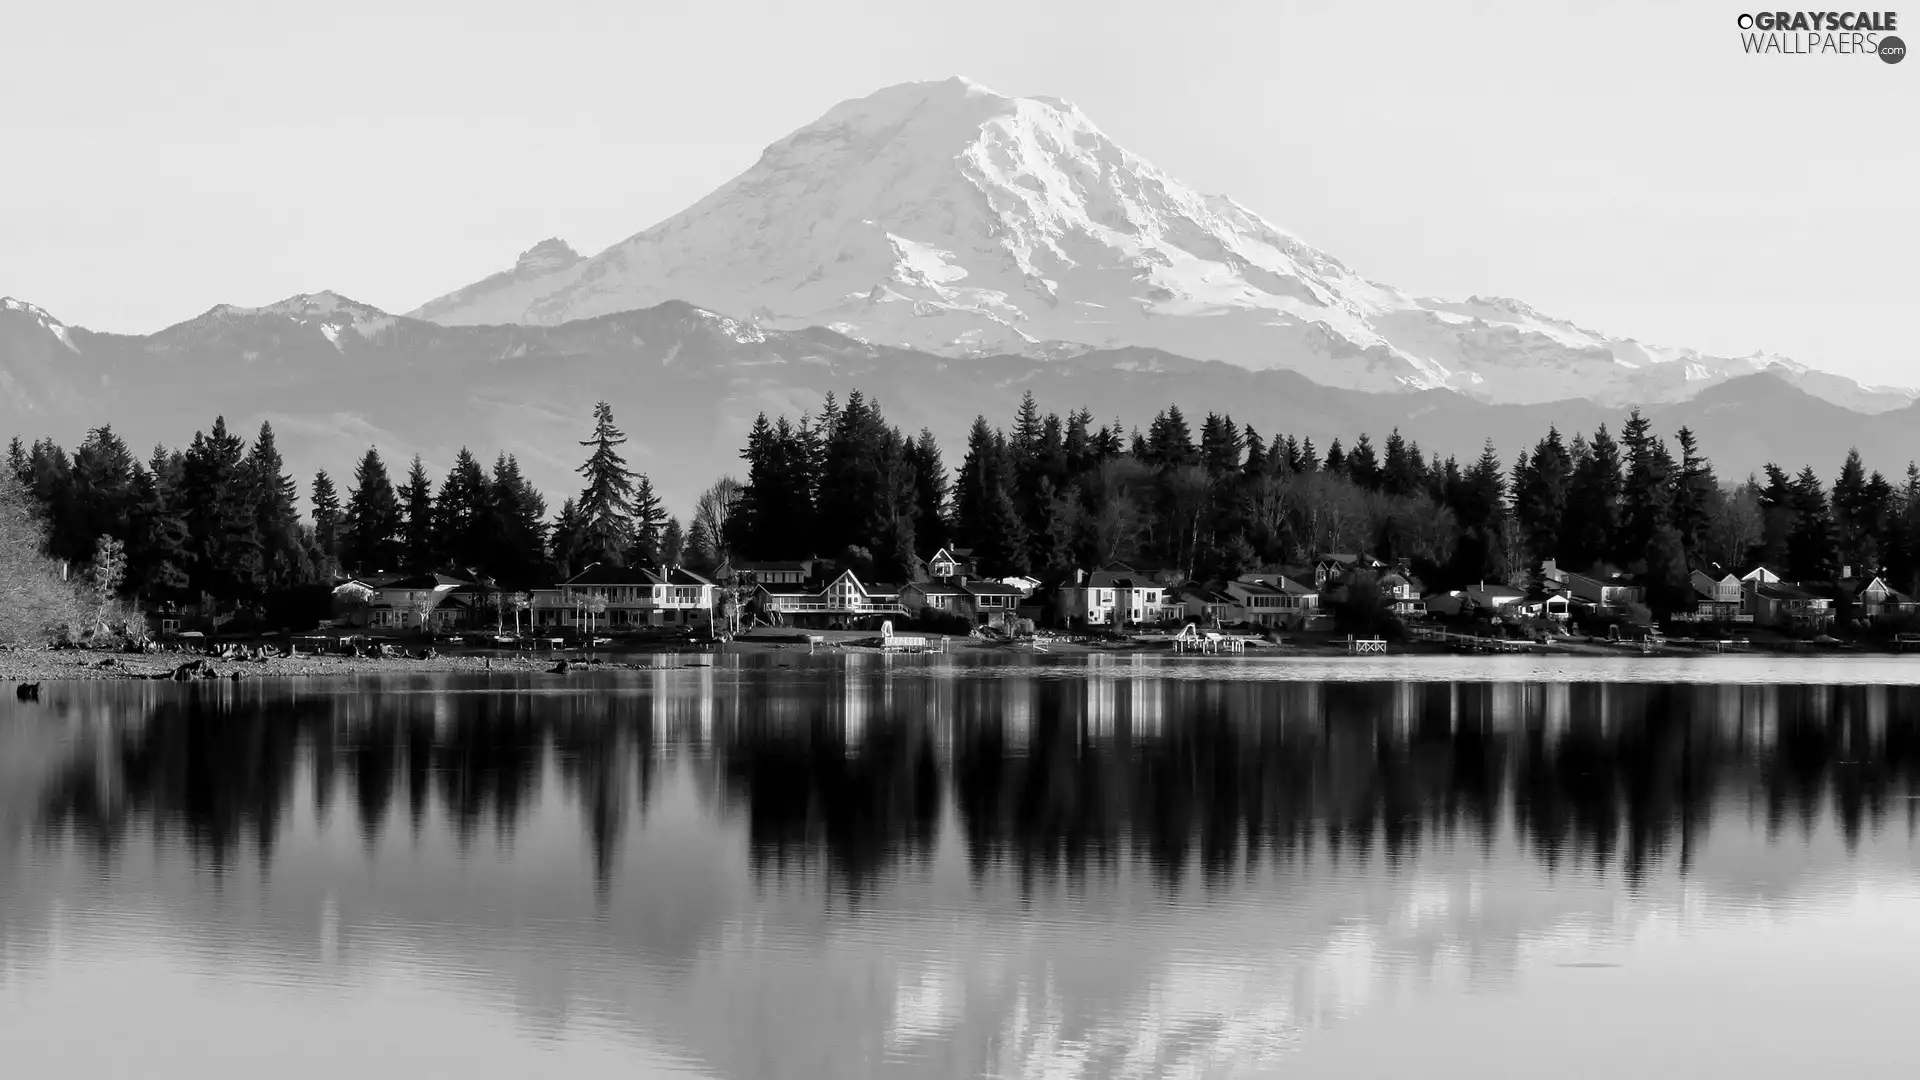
{"points": [[327, 518], [1810, 544], [1696, 495], [605, 505], [419, 533], [284, 561], [516, 534], [1400, 473], [1363, 466], [1591, 522], [157, 548], [930, 489], [223, 550], [371, 543], [1336, 461], [672, 544], [649, 520], [1540, 494], [1646, 490], [463, 520]]}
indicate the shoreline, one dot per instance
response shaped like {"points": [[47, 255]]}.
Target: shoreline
{"points": [[64, 665]]}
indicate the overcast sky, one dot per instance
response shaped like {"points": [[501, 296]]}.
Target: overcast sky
{"points": [[1623, 165]]}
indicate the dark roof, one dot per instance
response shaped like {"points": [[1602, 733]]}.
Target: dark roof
{"points": [[424, 581], [992, 588], [602, 574], [935, 586], [750, 566], [792, 588], [1783, 591], [1110, 579]]}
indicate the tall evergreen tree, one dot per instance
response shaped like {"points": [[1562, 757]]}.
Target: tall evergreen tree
{"points": [[419, 534], [284, 559], [328, 520], [372, 540], [1590, 526], [223, 551], [930, 489], [605, 505], [463, 520]]}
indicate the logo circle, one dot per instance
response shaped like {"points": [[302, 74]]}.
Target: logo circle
{"points": [[1892, 50]]}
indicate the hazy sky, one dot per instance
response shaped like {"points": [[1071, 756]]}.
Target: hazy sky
{"points": [[1623, 165]]}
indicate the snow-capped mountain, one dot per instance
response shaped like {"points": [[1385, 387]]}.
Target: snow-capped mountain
{"points": [[944, 217]]}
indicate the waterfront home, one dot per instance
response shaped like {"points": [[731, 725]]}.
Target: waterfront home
{"points": [[845, 597], [923, 596], [1333, 566], [1777, 603], [1492, 599], [401, 602], [628, 598], [1112, 597], [1273, 600], [1604, 590], [1205, 606], [992, 602], [1717, 597], [750, 572], [1871, 599], [951, 562]]}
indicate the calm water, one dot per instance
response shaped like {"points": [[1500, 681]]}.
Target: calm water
{"points": [[869, 868]]}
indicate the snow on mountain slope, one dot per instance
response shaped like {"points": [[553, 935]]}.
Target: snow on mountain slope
{"points": [[945, 217]]}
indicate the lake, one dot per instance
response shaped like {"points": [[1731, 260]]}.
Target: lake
{"points": [[774, 866]]}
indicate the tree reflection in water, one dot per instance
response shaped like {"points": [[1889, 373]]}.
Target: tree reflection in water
{"points": [[1051, 781]]}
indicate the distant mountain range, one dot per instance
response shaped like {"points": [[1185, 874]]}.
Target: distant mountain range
{"points": [[335, 376], [944, 217], [944, 249]]}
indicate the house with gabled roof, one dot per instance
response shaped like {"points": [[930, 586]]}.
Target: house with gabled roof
{"points": [[1776, 603], [1113, 596], [407, 602], [1273, 599], [763, 571], [841, 600], [951, 562], [629, 598]]}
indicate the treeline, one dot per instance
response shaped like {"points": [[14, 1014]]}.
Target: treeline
{"points": [[222, 518], [1043, 496], [1049, 494]]}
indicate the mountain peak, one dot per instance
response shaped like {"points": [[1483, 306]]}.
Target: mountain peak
{"points": [[946, 217], [326, 306], [552, 253], [41, 316]]}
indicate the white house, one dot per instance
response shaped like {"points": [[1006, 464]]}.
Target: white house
{"points": [[844, 597], [629, 598], [1273, 599], [1112, 597], [950, 562]]}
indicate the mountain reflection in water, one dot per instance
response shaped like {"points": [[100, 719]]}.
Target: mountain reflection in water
{"points": [[867, 869]]}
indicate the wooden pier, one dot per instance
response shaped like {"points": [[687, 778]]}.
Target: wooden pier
{"points": [[1192, 639]]}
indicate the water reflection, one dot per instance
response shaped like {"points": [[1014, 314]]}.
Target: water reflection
{"points": [[936, 870]]}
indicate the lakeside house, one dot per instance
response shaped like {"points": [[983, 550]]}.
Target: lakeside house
{"points": [[399, 601], [1205, 606], [764, 572], [950, 563], [1604, 591], [1114, 596], [1776, 603], [1872, 600], [1273, 600], [630, 598], [842, 598]]}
